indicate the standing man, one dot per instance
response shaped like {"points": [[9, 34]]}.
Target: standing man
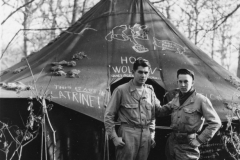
{"points": [[189, 110], [132, 104]]}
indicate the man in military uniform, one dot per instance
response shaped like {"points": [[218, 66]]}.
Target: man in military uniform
{"points": [[189, 110], [133, 104]]}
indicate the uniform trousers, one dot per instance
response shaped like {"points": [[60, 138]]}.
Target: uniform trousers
{"points": [[183, 151], [137, 143]]}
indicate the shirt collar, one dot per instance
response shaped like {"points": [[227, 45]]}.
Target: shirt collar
{"points": [[133, 88], [190, 99]]}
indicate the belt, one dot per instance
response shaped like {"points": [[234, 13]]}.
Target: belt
{"points": [[176, 131], [135, 126], [182, 138]]}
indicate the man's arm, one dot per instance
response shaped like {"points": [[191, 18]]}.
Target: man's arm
{"points": [[212, 119], [158, 110], [109, 117], [111, 112]]}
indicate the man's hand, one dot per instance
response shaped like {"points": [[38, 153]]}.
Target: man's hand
{"points": [[118, 142], [195, 143], [153, 143]]}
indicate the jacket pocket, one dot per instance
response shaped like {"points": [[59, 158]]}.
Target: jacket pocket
{"points": [[190, 116], [130, 106], [131, 111]]}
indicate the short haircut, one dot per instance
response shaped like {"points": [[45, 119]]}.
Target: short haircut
{"points": [[185, 71], [141, 62]]}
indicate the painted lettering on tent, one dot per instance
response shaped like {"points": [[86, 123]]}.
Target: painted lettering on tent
{"points": [[124, 68], [169, 45]]}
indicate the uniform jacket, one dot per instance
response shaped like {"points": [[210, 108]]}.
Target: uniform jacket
{"points": [[130, 107], [191, 115]]}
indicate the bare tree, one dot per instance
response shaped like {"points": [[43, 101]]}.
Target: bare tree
{"points": [[15, 10], [214, 19], [224, 18], [27, 12], [238, 68], [75, 10], [84, 7], [53, 11]]}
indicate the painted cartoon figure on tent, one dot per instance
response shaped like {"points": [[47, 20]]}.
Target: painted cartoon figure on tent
{"points": [[127, 33]]}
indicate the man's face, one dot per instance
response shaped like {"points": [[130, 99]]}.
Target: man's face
{"points": [[185, 82], [141, 75]]}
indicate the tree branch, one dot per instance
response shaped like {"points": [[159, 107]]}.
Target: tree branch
{"points": [[6, 3], [225, 18], [15, 11], [158, 2], [42, 29]]}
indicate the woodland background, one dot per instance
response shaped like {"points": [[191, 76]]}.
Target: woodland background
{"points": [[29, 25]]}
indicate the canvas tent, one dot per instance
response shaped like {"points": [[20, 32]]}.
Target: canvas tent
{"points": [[103, 44], [108, 38]]}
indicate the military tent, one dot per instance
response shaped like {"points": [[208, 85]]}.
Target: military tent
{"points": [[81, 66]]}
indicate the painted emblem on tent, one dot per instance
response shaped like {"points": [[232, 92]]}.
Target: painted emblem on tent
{"points": [[127, 33], [169, 45]]}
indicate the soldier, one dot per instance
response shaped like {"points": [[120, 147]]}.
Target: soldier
{"points": [[133, 104], [189, 110]]}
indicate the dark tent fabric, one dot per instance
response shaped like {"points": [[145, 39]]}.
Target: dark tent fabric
{"points": [[107, 40]]}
